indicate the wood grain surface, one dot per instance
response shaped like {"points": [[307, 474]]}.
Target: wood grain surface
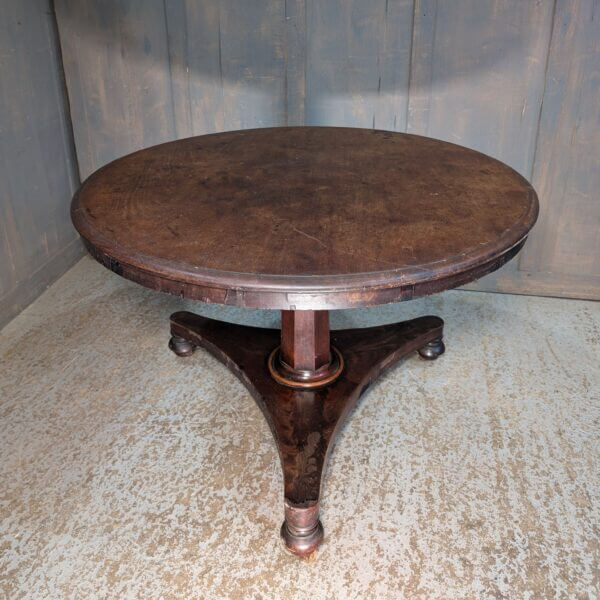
{"points": [[317, 210]]}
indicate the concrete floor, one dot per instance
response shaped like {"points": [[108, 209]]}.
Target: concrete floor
{"points": [[130, 473]]}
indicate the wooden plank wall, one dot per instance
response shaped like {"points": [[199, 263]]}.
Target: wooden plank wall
{"points": [[141, 72], [358, 63], [515, 79], [38, 172], [563, 257]]}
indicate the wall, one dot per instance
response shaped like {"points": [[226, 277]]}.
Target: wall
{"points": [[141, 72], [515, 79], [37, 163]]}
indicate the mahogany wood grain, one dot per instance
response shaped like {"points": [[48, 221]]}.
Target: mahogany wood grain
{"points": [[305, 218], [305, 339], [305, 358]]}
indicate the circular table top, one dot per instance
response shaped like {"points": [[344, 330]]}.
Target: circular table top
{"points": [[304, 217]]}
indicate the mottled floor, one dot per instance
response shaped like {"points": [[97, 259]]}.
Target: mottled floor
{"points": [[129, 473]]}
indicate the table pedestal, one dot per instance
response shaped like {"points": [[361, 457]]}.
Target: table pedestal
{"points": [[305, 380]]}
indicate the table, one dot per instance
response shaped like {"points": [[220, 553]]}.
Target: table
{"points": [[304, 220]]}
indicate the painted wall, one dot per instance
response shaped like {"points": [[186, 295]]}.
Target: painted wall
{"points": [[38, 172], [517, 79]]}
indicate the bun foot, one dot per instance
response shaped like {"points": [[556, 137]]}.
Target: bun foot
{"points": [[305, 544], [302, 531], [432, 350], [181, 346]]}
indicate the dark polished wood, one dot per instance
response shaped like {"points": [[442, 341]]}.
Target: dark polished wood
{"points": [[305, 358], [181, 346], [304, 422], [305, 339], [433, 349], [305, 219]]}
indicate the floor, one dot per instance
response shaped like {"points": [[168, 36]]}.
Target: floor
{"points": [[130, 473]]}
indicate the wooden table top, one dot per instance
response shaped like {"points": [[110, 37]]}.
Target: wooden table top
{"points": [[304, 217]]}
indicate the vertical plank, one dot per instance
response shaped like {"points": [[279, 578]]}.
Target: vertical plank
{"points": [[194, 37], [478, 74], [252, 57], [566, 174], [228, 64], [36, 156], [358, 61], [117, 69], [421, 66], [477, 79], [176, 23], [295, 74]]}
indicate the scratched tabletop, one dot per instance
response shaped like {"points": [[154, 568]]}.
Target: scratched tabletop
{"points": [[268, 213]]}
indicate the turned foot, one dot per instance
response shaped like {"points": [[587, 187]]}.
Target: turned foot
{"points": [[433, 349], [302, 530], [181, 346]]}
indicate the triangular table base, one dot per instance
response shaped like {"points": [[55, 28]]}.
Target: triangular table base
{"points": [[304, 422]]}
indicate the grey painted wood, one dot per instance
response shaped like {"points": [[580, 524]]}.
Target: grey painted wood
{"points": [[228, 64], [566, 171], [296, 49], [562, 257], [478, 75], [142, 72], [176, 20], [358, 59], [37, 166], [116, 63], [253, 58], [477, 79]]}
